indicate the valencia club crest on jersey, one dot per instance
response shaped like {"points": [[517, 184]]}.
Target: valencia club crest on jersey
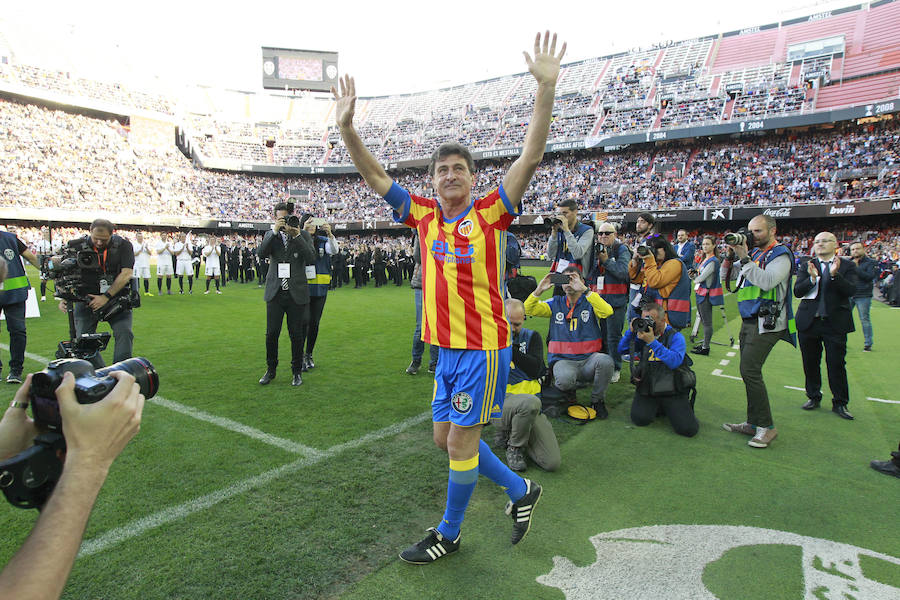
{"points": [[465, 227]]}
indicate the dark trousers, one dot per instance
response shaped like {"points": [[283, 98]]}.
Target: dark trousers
{"points": [[15, 325], [812, 341], [86, 321], [755, 349], [677, 407], [297, 315], [316, 306]]}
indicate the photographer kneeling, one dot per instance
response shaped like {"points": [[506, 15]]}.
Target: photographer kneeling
{"points": [[109, 282], [662, 379]]}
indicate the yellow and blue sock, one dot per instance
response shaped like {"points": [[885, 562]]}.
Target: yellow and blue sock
{"points": [[494, 469], [461, 484]]}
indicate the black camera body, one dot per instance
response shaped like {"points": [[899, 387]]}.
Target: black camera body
{"points": [[554, 220], [643, 250], [90, 385], [645, 324], [769, 311], [67, 270], [292, 221], [600, 247], [28, 479]]}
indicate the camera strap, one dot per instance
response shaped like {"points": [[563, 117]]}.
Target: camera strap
{"points": [[101, 259]]}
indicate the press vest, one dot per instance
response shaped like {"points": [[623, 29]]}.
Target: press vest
{"points": [[575, 332], [319, 285], [678, 303], [518, 381], [615, 289], [750, 297], [714, 293], [15, 287], [562, 249]]}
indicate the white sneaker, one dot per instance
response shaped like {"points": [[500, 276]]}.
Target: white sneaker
{"points": [[206, 292], [43, 298], [615, 377], [218, 291]]}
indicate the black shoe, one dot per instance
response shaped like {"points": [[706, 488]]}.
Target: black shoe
{"points": [[812, 404], [867, 348], [269, 376], [600, 407], [522, 510], [297, 380], [701, 351], [432, 368], [413, 367], [308, 362], [841, 411], [14, 377], [430, 549], [885, 466]]}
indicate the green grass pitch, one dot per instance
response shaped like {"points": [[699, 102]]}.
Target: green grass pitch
{"points": [[236, 491]]}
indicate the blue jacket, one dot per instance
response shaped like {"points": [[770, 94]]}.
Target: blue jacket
{"points": [[687, 254], [866, 272]]}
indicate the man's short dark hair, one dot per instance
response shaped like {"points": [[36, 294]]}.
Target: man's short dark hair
{"points": [[655, 307], [574, 269], [288, 206], [568, 203], [103, 224], [647, 217], [451, 149]]}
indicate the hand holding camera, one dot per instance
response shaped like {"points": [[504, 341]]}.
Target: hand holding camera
{"points": [[740, 241], [643, 328]]}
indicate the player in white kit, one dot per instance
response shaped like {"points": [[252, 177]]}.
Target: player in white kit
{"points": [[211, 253], [182, 250], [142, 262], [164, 268]]}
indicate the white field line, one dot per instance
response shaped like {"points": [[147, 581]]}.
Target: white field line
{"points": [[736, 347], [730, 354], [719, 373], [883, 400], [230, 425], [174, 513], [724, 362], [790, 387]]}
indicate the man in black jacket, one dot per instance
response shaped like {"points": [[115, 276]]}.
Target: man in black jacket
{"points": [[826, 283], [866, 272], [289, 249]]}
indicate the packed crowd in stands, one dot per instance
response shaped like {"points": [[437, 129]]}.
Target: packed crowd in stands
{"points": [[54, 159]]}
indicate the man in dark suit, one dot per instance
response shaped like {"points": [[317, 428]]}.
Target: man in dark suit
{"points": [[685, 249], [289, 249], [826, 283]]}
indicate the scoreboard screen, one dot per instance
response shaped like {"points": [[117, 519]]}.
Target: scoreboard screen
{"points": [[284, 68]]}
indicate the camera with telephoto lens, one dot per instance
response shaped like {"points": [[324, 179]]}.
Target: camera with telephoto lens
{"points": [[739, 237], [28, 479], [769, 312], [643, 324]]}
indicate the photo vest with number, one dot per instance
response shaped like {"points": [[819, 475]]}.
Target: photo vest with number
{"points": [[319, 285], [713, 292], [562, 248], [15, 288], [678, 303], [575, 331]]}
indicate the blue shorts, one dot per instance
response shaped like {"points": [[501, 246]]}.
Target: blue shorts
{"points": [[469, 386]]}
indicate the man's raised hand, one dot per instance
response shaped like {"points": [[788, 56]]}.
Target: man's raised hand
{"points": [[345, 102], [545, 65]]}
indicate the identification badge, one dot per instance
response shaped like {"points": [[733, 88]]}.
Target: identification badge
{"points": [[696, 286], [634, 286], [600, 283], [561, 265], [311, 271], [637, 300], [284, 270], [103, 286]]}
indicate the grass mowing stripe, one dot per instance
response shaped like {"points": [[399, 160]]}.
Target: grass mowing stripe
{"points": [[230, 425], [175, 513]]}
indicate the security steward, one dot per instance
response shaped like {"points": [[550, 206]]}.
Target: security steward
{"points": [[13, 294]]}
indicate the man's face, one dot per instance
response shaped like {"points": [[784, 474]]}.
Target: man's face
{"points": [[824, 245], [516, 320], [857, 250], [100, 237], [452, 179], [682, 236], [574, 276], [568, 214], [642, 226], [181, 237], [606, 235], [140, 238], [762, 235]]}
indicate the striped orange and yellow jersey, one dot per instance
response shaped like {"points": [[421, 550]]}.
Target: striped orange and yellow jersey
{"points": [[463, 268]]}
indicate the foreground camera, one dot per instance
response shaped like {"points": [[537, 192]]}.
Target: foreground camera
{"points": [[90, 386], [28, 479], [644, 324], [292, 221]]}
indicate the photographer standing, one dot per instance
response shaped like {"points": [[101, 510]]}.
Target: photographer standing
{"points": [[570, 242], [13, 294], [289, 249], [115, 258], [318, 277], [610, 278], [664, 280], [656, 377], [764, 301], [708, 289]]}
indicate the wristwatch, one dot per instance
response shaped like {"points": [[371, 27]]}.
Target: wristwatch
{"points": [[18, 404], [108, 297]]}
